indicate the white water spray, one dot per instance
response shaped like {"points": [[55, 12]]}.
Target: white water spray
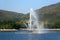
{"points": [[34, 23], [33, 20]]}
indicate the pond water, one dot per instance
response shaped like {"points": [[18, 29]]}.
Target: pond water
{"points": [[25, 35]]}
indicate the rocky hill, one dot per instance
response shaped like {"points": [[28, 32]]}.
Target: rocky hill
{"points": [[10, 16], [50, 13]]}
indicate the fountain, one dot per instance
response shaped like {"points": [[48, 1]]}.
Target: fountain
{"points": [[33, 20], [34, 26], [34, 23]]}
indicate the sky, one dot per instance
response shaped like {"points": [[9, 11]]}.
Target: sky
{"points": [[23, 6]]}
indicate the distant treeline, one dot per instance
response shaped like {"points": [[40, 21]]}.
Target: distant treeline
{"points": [[56, 25], [11, 25], [18, 25]]}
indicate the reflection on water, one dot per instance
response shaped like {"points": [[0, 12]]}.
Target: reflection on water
{"points": [[25, 35]]}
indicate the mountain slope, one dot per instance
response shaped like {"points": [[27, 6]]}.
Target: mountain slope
{"points": [[10, 16], [50, 13]]}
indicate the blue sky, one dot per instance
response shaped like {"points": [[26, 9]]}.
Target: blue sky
{"points": [[23, 6]]}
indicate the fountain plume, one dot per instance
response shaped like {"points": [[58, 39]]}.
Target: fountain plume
{"points": [[33, 20]]}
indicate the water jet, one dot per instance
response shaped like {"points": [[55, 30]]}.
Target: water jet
{"points": [[34, 23]]}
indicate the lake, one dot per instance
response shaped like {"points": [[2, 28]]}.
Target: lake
{"points": [[25, 35]]}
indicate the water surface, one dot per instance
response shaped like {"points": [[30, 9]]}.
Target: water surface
{"points": [[25, 35]]}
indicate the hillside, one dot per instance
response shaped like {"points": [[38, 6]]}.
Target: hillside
{"points": [[51, 14], [12, 20], [10, 16]]}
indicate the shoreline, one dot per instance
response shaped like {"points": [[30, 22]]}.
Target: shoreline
{"points": [[8, 30], [40, 29], [25, 29]]}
